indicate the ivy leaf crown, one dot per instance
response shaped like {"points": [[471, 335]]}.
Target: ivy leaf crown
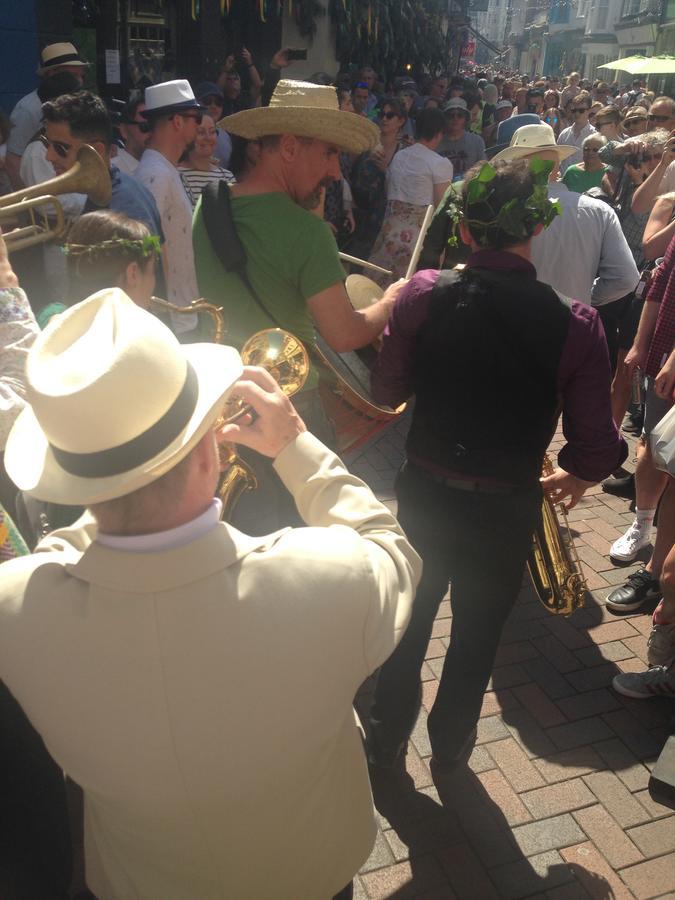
{"points": [[146, 246], [516, 217]]}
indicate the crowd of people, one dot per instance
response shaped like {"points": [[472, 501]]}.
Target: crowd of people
{"points": [[124, 636]]}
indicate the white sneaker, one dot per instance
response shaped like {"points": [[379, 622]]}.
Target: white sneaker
{"points": [[661, 645], [627, 547]]}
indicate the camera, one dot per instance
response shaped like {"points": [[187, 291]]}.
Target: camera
{"points": [[297, 54], [635, 160]]}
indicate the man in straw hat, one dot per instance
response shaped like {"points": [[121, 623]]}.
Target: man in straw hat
{"points": [[125, 636], [584, 254], [292, 260], [27, 114], [467, 344]]}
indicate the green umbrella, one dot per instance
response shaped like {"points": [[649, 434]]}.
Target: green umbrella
{"points": [[627, 64], [654, 65]]}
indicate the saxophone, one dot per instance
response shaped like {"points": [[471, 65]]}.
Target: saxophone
{"points": [[553, 561]]}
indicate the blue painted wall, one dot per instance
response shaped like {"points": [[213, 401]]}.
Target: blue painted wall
{"points": [[18, 50]]}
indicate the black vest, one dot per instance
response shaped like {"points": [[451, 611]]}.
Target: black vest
{"points": [[484, 375]]}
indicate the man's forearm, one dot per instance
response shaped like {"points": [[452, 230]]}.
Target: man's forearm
{"points": [[648, 317]]}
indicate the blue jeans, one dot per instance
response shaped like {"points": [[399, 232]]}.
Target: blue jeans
{"points": [[480, 542]]}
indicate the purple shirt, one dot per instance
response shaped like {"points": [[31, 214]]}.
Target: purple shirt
{"points": [[594, 446]]}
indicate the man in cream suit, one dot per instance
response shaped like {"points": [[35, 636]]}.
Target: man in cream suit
{"points": [[196, 682]]}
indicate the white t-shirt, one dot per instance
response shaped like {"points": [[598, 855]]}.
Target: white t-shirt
{"points": [[25, 118], [413, 172], [163, 181], [124, 161]]}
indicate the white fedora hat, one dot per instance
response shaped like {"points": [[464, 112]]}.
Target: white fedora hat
{"points": [[531, 139], [55, 55], [115, 402], [169, 96], [307, 110]]}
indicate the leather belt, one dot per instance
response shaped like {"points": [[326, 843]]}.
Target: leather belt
{"points": [[465, 484]]}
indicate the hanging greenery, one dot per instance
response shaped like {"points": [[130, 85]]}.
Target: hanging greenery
{"points": [[391, 34]]}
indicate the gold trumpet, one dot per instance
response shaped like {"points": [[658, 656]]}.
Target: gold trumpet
{"points": [[553, 561], [89, 175]]}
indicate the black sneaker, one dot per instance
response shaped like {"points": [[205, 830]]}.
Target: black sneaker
{"points": [[635, 592]]}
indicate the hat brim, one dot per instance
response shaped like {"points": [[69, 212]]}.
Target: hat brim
{"points": [[75, 62], [510, 153], [33, 468], [172, 107], [334, 126]]}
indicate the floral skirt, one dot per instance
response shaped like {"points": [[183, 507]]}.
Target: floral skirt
{"points": [[397, 238]]}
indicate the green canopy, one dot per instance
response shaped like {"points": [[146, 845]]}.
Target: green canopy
{"points": [[627, 64], [654, 65]]}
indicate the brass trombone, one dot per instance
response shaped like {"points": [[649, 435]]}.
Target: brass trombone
{"points": [[89, 175]]}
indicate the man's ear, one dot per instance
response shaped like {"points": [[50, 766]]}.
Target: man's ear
{"points": [[289, 147], [132, 275]]}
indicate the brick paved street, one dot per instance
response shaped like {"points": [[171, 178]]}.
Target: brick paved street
{"points": [[555, 802]]}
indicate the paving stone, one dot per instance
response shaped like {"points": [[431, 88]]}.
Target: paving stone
{"points": [[540, 707], [359, 890], [533, 739], [610, 840], [631, 665], [557, 798], [522, 878], [516, 767], [605, 529], [569, 764], [576, 734], [616, 798], [654, 838], [480, 760], [380, 856], [420, 735], [566, 633], [651, 879], [615, 577], [422, 836], [557, 654], [654, 810], [625, 764], [591, 869], [531, 630], [634, 735], [601, 653], [590, 557], [405, 879], [491, 728], [638, 646], [501, 793], [547, 834], [508, 654], [441, 628], [591, 703], [466, 874], [508, 676], [435, 649], [494, 702], [592, 679], [548, 678]]}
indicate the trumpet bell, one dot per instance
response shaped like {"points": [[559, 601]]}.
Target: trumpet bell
{"points": [[362, 291], [281, 354]]}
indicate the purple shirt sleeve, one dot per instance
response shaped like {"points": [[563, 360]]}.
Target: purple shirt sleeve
{"points": [[594, 446], [391, 380]]}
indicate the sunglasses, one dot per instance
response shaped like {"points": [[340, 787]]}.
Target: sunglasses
{"points": [[60, 147], [591, 150], [143, 127], [197, 116], [389, 115], [455, 115], [579, 109], [653, 118], [628, 123]]}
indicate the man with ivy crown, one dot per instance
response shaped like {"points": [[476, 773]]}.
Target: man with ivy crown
{"points": [[492, 356]]}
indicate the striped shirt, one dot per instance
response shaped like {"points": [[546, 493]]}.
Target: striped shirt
{"points": [[195, 180]]}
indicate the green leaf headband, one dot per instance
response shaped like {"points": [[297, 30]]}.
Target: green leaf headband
{"points": [[518, 217], [148, 246]]}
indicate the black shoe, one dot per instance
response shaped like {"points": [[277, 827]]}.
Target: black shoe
{"points": [[387, 758], [633, 424], [620, 487], [443, 766], [637, 590]]}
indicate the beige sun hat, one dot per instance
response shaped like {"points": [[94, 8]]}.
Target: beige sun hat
{"points": [[530, 139], [307, 110], [55, 55], [115, 402]]}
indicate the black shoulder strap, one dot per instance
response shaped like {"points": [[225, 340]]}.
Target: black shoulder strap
{"points": [[446, 278], [222, 232]]}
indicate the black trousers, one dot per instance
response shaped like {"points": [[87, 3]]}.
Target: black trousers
{"points": [[612, 315], [480, 542]]}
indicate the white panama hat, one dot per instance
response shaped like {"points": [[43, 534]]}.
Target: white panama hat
{"points": [[306, 110], [528, 140], [169, 96], [115, 402], [55, 55]]}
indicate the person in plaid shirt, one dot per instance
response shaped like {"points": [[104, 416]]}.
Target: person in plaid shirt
{"points": [[652, 354]]}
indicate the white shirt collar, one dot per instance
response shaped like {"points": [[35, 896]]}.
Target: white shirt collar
{"points": [[165, 540]]}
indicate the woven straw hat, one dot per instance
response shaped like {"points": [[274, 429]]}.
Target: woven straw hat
{"points": [[306, 110], [55, 55], [115, 402], [531, 139]]}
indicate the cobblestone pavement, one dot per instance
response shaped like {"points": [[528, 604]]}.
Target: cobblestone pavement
{"points": [[554, 803]]}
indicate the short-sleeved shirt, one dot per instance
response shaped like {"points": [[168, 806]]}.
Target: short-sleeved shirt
{"points": [[580, 180], [25, 118], [132, 199], [662, 291], [463, 153], [195, 180], [413, 172], [570, 138], [163, 181], [291, 255]]}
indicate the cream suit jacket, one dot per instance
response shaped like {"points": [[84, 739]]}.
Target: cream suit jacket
{"points": [[202, 696]]}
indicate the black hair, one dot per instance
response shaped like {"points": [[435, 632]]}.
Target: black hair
{"points": [[398, 106], [429, 122], [85, 114], [57, 84]]}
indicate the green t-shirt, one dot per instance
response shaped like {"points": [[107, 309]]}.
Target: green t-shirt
{"points": [[579, 180], [291, 256]]}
